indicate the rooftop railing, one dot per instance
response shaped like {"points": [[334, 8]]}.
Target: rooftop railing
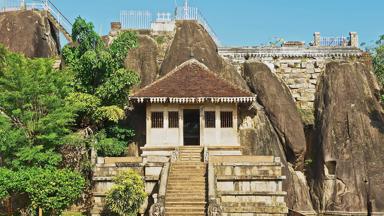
{"points": [[43, 5]]}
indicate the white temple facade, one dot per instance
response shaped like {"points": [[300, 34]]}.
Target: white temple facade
{"points": [[191, 106]]}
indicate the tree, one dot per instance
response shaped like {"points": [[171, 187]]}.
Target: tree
{"points": [[102, 84], [35, 117], [35, 121], [127, 195]]}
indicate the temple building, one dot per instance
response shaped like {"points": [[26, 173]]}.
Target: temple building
{"points": [[191, 106]]}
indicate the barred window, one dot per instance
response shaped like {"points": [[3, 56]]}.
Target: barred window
{"points": [[173, 119], [157, 119], [226, 119], [210, 120]]}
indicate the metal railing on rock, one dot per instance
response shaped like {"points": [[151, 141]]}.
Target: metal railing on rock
{"points": [[64, 25], [193, 13]]}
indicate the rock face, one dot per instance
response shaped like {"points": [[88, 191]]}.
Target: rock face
{"points": [[193, 41], [349, 136], [30, 33], [143, 60], [259, 134], [280, 108]]}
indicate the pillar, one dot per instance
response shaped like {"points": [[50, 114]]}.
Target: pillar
{"points": [[316, 39], [354, 39]]}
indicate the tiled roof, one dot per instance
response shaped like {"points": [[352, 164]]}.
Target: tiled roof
{"points": [[191, 79]]}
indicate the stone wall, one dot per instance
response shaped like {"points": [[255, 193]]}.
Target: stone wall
{"points": [[298, 67], [107, 168], [246, 185]]}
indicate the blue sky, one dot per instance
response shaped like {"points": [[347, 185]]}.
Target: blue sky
{"points": [[251, 22]]}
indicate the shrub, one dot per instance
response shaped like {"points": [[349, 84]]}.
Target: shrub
{"points": [[127, 195]]}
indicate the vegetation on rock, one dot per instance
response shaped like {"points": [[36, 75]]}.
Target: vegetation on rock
{"points": [[378, 61], [127, 195]]}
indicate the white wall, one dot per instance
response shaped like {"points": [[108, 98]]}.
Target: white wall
{"points": [[208, 136]]}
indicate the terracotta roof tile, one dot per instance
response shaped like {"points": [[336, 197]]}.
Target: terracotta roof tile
{"points": [[191, 79]]}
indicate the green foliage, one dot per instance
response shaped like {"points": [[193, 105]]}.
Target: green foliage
{"points": [[101, 82], [50, 189], [127, 195], [109, 146], [85, 36], [120, 47], [35, 117], [113, 140], [378, 61], [160, 39], [110, 113], [54, 190]]}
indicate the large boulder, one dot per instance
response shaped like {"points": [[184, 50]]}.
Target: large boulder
{"points": [[193, 41], [259, 134], [143, 60], [348, 155], [30, 33], [280, 108]]}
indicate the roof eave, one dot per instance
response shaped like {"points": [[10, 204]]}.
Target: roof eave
{"points": [[179, 100]]}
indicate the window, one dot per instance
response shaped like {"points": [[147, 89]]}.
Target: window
{"points": [[210, 120], [226, 119], [157, 119], [173, 119]]}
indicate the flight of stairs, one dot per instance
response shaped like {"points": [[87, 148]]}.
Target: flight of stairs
{"points": [[186, 187], [60, 27]]}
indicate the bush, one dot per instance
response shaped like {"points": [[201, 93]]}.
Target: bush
{"points": [[127, 195], [52, 190]]}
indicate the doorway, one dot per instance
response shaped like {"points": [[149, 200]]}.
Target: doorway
{"points": [[191, 127]]}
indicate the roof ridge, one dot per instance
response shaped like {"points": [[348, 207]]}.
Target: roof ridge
{"points": [[177, 68]]}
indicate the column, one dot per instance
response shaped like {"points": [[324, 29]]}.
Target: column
{"points": [[217, 124], [166, 125], [354, 39], [316, 39], [181, 126], [148, 126]]}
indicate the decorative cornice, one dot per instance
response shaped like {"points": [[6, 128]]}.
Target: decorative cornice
{"points": [[184, 100]]}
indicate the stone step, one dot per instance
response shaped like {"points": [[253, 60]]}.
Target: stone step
{"points": [[184, 194], [191, 175], [185, 209], [185, 199], [185, 214], [196, 192], [186, 184], [185, 204], [183, 187]]}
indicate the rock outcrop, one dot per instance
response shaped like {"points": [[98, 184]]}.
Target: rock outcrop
{"points": [[261, 133], [193, 41], [143, 60], [280, 108], [30, 33], [349, 141]]}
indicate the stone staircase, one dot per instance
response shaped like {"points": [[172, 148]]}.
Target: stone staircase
{"points": [[186, 188]]}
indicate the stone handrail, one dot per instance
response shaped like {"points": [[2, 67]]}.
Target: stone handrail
{"points": [[213, 206], [158, 208]]}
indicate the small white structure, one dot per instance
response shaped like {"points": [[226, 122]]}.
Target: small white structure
{"points": [[163, 23], [191, 106]]}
